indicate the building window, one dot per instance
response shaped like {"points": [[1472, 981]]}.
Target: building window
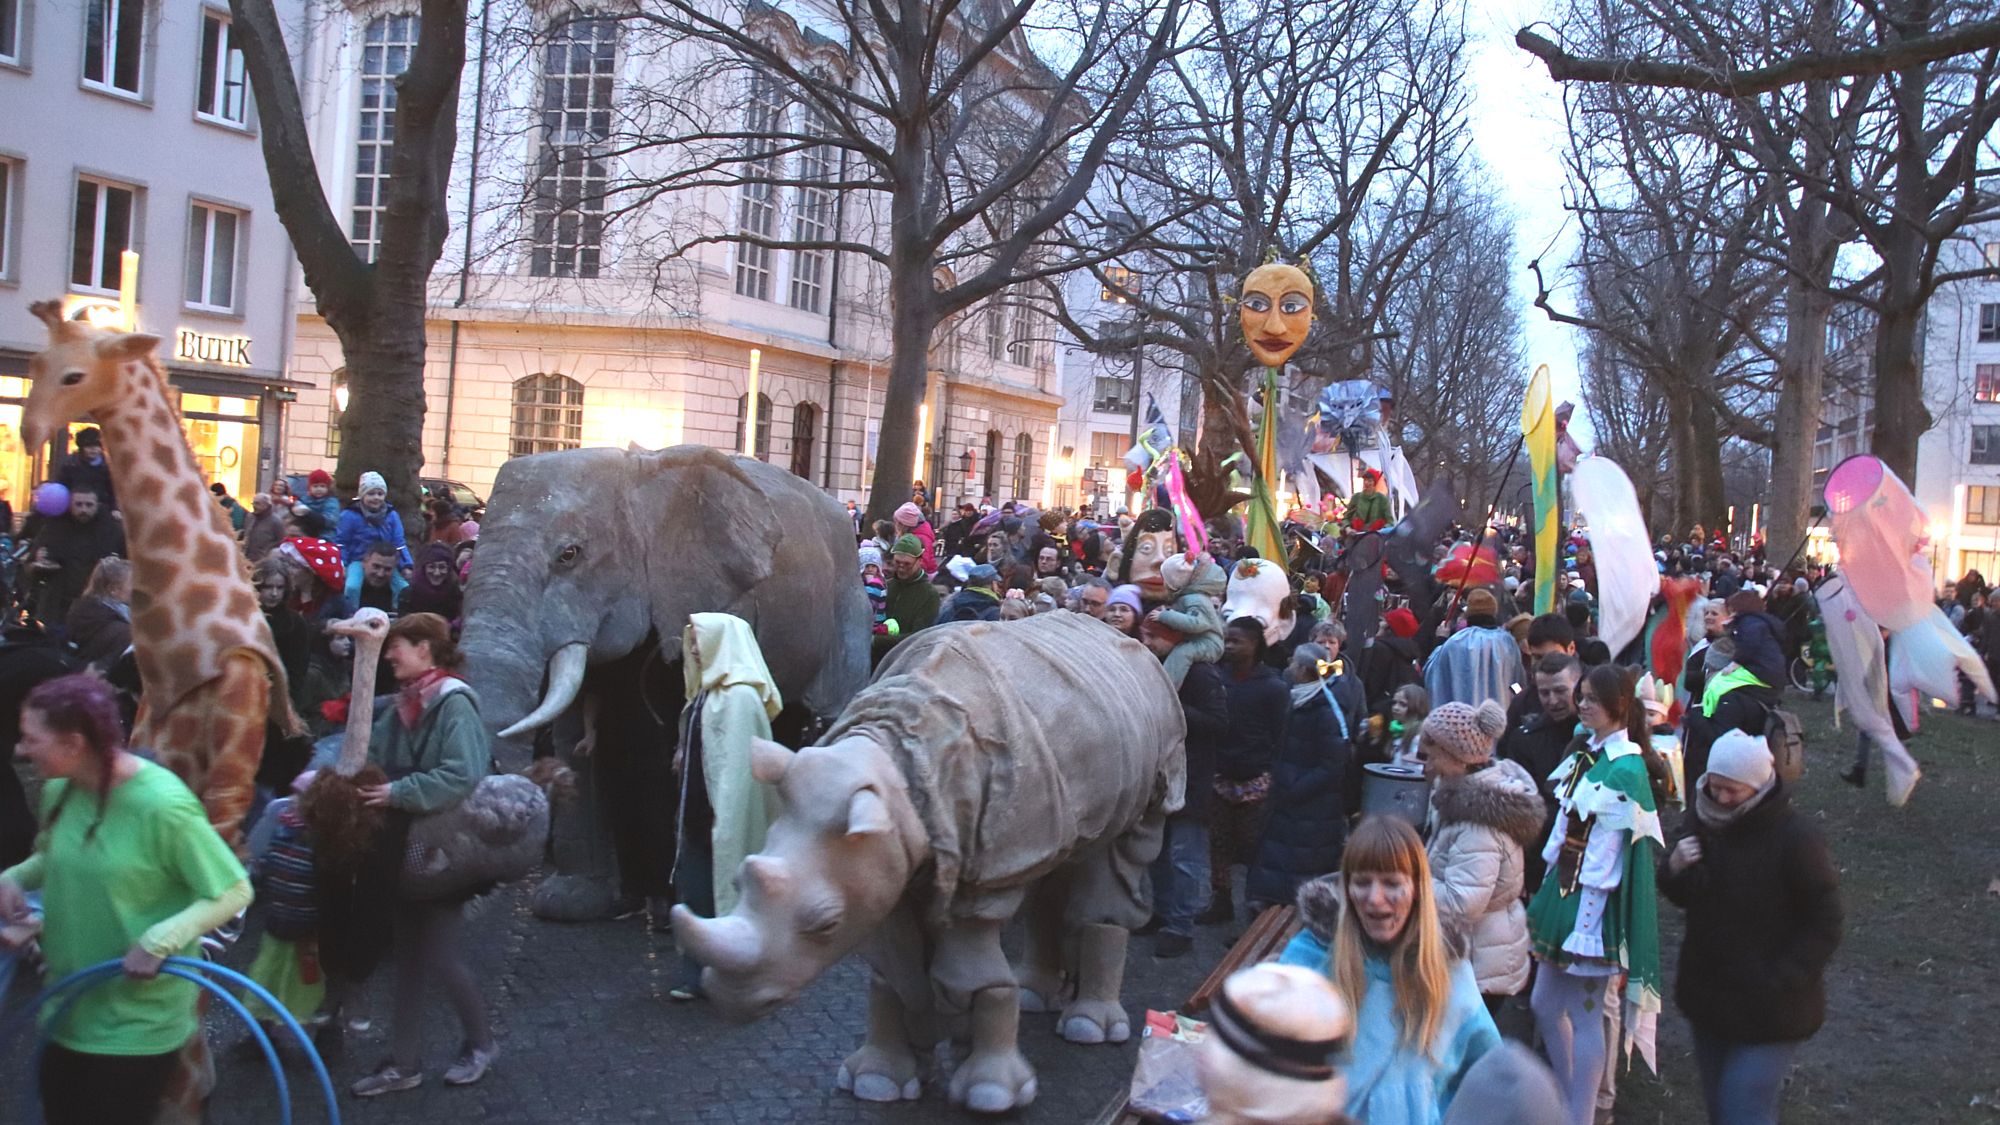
{"points": [[1021, 335], [335, 407], [386, 47], [1024, 466], [1989, 324], [996, 327], [813, 221], [10, 31], [1992, 255], [1982, 505], [763, 452], [577, 77], [757, 209], [1118, 282], [9, 174], [991, 483], [103, 232], [1986, 445], [1985, 382], [211, 258], [548, 415], [805, 428], [223, 94], [114, 37]]}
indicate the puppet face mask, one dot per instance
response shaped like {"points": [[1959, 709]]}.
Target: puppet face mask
{"points": [[1276, 312]]}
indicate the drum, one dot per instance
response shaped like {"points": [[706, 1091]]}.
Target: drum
{"points": [[1392, 790]]}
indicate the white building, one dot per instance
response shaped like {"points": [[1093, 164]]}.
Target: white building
{"points": [[127, 125], [1958, 459], [553, 327]]}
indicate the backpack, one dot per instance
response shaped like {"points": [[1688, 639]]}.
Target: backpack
{"points": [[1786, 737]]}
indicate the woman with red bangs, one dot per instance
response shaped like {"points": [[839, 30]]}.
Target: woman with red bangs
{"points": [[1419, 1021]]}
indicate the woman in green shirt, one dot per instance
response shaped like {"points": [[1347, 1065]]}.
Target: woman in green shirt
{"points": [[128, 868]]}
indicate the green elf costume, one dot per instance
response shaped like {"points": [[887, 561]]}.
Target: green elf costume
{"points": [[1596, 914]]}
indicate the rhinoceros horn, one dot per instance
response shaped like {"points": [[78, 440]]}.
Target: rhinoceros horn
{"points": [[727, 945], [868, 813]]}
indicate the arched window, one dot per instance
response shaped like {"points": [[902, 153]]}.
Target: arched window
{"points": [[805, 426], [763, 424], [991, 484], [1024, 464], [548, 414], [334, 409]]}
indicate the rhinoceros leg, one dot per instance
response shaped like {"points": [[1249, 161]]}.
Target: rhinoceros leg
{"points": [[1106, 900], [1041, 977], [885, 1068], [1096, 1016], [971, 974]]}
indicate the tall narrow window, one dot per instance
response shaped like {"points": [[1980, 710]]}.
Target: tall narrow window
{"points": [[1024, 466], [763, 447], [8, 175], [577, 78], [211, 258], [996, 327], [103, 232], [991, 483], [548, 415], [10, 31], [334, 409], [222, 94], [1985, 376], [1985, 445], [385, 53], [814, 220], [1989, 324], [805, 431], [114, 38], [757, 209], [1021, 334]]}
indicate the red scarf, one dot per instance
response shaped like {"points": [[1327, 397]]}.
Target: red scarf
{"points": [[417, 694]]}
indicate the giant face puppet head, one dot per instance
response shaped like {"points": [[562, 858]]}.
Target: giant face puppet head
{"points": [[1151, 540], [1276, 312]]}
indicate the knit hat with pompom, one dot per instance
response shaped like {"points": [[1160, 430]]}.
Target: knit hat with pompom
{"points": [[1466, 733]]}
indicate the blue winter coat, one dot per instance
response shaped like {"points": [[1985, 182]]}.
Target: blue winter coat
{"points": [[358, 529], [1309, 802]]}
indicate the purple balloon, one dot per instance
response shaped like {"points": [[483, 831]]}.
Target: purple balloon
{"points": [[52, 498]]}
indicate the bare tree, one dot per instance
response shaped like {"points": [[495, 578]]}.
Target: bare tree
{"points": [[375, 308], [1330, 136]]}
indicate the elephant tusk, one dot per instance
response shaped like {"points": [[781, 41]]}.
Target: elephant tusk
{"points": [[565, 682]]}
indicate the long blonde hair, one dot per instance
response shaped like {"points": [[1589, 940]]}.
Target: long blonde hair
{"points": [[1418, 965]]}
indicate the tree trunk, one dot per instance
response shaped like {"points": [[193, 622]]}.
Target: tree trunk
{"points": [[1801, 375], [912, 321], [1680, 441], [1900, 415], [382, 430], [1702, 480]]}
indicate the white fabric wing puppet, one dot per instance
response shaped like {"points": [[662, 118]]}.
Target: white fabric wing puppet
{"points": [[1880, 531], [1854, 641], [1627, 576]]}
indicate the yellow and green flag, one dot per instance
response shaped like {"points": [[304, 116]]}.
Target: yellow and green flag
{"points": [[1538, 433], [1263, 529]]}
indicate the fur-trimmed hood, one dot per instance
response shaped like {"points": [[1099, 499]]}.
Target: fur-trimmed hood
{"points": [[1319, 902], [1502, 797]]}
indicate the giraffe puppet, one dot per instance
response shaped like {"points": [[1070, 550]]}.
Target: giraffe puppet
{"points": [[209, 671]]}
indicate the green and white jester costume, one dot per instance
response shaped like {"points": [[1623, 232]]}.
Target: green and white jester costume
{"points": [[1603, 919]]}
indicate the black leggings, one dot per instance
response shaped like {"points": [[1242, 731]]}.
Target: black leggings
{"points": [[84, 1089]]}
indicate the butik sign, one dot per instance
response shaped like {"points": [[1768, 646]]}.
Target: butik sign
{"points": [[224, 351]]}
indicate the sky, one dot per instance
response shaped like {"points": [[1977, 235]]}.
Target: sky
{"points": [[1517, 130]]}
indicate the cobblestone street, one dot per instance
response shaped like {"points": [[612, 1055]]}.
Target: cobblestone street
{"points": [[587, 1035]]}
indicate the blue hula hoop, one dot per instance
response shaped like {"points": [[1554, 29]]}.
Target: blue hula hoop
{"points": [[199, 972]]}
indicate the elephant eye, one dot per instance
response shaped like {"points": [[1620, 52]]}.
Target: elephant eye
{"points": [[72, 378], [570, 554]]}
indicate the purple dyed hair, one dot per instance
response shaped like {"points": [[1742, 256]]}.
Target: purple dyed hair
{"points": [[82, 705]]}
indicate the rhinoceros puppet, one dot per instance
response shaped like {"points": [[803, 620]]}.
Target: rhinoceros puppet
{"points": [[988, 766]]}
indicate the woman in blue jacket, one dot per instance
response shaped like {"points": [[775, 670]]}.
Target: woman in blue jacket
{"points": [[1306, 818]]}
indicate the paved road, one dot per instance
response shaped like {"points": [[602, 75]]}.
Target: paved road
{"points": [[587, 1035]]}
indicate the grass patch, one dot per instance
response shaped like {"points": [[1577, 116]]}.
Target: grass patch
{"points": [[1913, 995]]}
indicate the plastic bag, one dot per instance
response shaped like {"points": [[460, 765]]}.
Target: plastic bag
{"points": [[1166, 1086]]}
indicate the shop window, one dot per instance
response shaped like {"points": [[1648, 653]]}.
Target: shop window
{"points": [[568, 203], [223, 434], [386, 47], [222, 94], [1024, 466], [103, 232], [548, 414], [211, 258], [763, 451], [805, 431], [114, 38]]}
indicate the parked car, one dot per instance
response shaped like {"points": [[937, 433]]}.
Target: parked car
{"points": [[459, 493]]}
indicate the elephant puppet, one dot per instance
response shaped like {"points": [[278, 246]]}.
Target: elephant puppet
{"points": [[585, 554], [988, 767]]}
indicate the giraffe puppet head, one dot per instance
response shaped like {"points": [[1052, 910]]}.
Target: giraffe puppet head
{"points": [[84, 370]]}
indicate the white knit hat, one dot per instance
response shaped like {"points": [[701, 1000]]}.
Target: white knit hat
{"points": [[1741, 757], [369, 482]]}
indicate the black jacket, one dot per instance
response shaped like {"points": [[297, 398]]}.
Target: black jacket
{"points": [[1389, 663], [1309, 803], [969, 605], [100, 633], [1539, 745], [1747, 708], [1763, 919], [1206, 704], [1259, 706]]}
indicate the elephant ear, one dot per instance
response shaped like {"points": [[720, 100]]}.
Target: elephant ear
{"points": [[711, 528]]}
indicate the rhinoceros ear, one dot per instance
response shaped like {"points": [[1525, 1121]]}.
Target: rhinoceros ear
{"points": [[768, 760], [867, 814]]}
